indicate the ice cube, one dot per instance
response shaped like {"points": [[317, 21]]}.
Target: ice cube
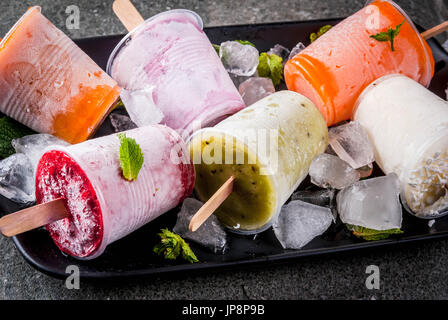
{"points": [[366, 171], [300, 222], [17, 178], [237, 80], [372, 203], [281, 51], [33, 145], [296, 50], [141, 107], [445, 45], [351, 143], [322, 198], [210, 235], [254, 89], [238, 58], [328, 171], [121, 122]]}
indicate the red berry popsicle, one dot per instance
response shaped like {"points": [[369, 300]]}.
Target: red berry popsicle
{"points": [[103, 206]]}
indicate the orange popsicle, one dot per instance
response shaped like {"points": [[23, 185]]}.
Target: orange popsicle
{"points": [[336, 68], [49, 84]]}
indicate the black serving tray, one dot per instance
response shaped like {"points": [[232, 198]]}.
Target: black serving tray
{"points": [[133, 256]]}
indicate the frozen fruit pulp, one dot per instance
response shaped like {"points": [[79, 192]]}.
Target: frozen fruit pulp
{"points": [[252, 202], [59, 176], [49, 84]]}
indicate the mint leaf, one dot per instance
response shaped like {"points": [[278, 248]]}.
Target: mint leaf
{"points": [[371, 234], [276, 65], [394, 33], [389, 35], [397, 30], [119, 104], [9, 130], [187, 253], [245, 42], [263, 65], [270, 66], [131, 157], [314, 36], [217, 47], [172, 245], [382, 36]]}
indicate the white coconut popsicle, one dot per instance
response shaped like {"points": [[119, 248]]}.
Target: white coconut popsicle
{"points": [[103, 206], [408, 126]]}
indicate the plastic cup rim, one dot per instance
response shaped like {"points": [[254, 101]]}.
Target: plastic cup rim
{"points": [[412, 24], [373, 84], [278, 207], [17, 24], [99, 194], [369, 88], [443, 213], [120, 44]]}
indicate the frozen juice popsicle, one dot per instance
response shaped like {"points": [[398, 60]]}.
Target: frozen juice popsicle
{"points": [[104, 207], [408, 126], [334, 69], [268, 148], [49, 84], [172, 75]]}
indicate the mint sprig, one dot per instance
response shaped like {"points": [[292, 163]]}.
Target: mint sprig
{"points": [[216, 47], [172, 245], [371, 234], [243, 42], [389, 35], [9, 130], [315, 35], [270, 66], [131, 157]]}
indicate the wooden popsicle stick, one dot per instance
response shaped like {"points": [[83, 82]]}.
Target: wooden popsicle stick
{"points": [[212, 204], [127, 13], [435, 31], [32, 218]]}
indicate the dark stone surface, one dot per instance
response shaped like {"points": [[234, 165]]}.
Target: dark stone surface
{"points": [[411, 272], [97, 18]]}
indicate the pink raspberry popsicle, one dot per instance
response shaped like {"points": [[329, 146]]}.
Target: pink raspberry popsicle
{"points": [[170, 64], [103, 206]]}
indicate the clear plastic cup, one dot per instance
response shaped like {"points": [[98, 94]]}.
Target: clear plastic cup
{"points": [[49, 84], [268, 147], [103, 206], [171, 63], [337, 67], [407, 125]]}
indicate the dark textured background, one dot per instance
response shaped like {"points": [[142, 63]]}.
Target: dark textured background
{"points": [[412, 272]]}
